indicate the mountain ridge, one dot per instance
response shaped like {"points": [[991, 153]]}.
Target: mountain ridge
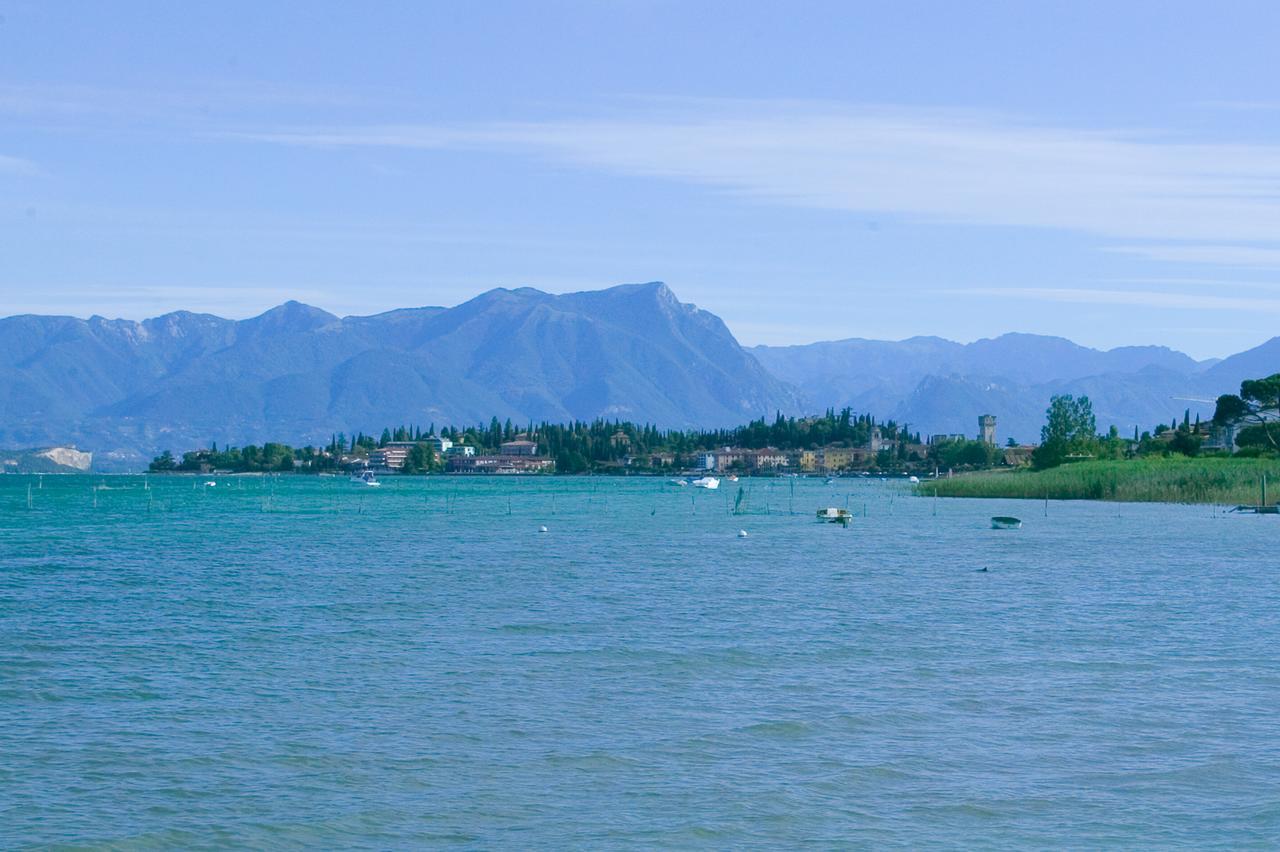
{"points": [[938, 385], [295, 372]]}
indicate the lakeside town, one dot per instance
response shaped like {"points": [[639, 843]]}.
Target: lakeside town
{"points": [[789, 445], [832, 444]]}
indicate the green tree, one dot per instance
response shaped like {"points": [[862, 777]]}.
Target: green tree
{"points": [[1258, 399], [421, 459], [569, 461], [1070, 429], [164, 461]]}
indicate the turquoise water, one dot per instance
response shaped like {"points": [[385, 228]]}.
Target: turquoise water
{"points": [[302, 662]]}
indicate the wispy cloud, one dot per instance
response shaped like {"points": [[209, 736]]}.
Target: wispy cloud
{"points": [[1240, 106], [1221, 255], [927, 165], [1129, 298], [172, 102], [17, 166]]}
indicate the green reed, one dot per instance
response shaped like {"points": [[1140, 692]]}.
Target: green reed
{"points": [[1227, 481]]}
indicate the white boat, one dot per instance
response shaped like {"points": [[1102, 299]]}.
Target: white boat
{"points": [[915, 480], [708, 482], [733, 478], [834, 515], [367, 479], [680, 482]]}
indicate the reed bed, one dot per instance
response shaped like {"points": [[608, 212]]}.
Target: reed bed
{"points": [[1223, 481]]}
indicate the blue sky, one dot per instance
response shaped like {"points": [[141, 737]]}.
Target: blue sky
{"points": [[1108, 172]]}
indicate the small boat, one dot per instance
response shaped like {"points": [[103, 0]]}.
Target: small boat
{"points": [[733, 478], [833, 515], [680, 482], [915, 480], [708, 482], [367, 479], [1004, 522]]}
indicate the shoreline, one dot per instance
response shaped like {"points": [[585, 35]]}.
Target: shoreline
{"points": [[1207, 480]]}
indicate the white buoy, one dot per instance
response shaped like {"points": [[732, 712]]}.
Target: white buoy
{"points": [[742, 533], [542, 529]]}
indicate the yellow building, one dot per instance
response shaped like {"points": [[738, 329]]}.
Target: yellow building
{"points": [[837, 458], [808, 460]]}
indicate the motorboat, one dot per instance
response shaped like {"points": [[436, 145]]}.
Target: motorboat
{"points": [[365, 478], [1004, 522], [834, 515], [708, 482]]}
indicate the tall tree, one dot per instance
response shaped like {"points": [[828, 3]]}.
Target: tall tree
{"points": [[1070, 429]]}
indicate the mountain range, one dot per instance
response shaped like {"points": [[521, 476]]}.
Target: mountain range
{"points": [[298, 374], [129, 389], [939, 386]]}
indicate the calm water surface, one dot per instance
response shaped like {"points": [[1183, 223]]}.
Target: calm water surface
{"points": [[301, 662]]}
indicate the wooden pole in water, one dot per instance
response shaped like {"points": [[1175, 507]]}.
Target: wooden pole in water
{"points": [[1264, 489]]}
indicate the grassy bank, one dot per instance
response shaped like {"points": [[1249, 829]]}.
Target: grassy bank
{"points": [[1224, 481]]}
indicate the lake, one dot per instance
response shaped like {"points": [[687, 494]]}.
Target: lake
{"points": [[298, 661]]}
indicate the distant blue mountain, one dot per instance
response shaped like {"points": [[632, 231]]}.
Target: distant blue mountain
{"points": [[127, 390], [296, 373], [938, 386]]}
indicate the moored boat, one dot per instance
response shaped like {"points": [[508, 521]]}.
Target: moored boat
{"points": [[366, 479], [834, 515], [1005, 522]]}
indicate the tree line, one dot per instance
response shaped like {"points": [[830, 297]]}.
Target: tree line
{"points": [[576, 446]]}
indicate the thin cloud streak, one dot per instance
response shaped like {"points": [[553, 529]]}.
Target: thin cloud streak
{"points": [[204, 100], [931, 166], [17, 166], [1219, 255]]}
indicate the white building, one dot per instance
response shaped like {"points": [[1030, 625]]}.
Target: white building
{"points": [[440, 445]]}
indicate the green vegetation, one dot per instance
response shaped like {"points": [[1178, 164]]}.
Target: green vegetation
{"points": [[1177, 479], [1165, 465], [964, 454], [1070, 430], [577, 447], [1257, 403], [251, 459]]}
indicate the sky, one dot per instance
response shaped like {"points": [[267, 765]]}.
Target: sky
{"points": [[1107, 172]]}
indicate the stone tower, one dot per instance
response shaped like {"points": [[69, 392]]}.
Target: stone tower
{"points": [[987, 429]]}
